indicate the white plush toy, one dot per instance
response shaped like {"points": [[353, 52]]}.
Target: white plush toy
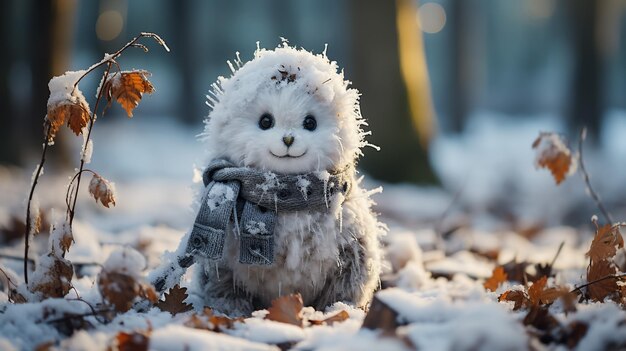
{"points": [[281, 210]]}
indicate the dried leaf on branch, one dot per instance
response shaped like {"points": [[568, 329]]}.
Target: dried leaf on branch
{"points": [[605, 243], [601, 288], [553, 154], [52, 277], [67, 104], [103, 190], [287, 309], [174, 301], [127, 88]]}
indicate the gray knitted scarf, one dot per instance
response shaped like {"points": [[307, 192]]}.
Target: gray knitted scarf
{"points": [[249, 200]]}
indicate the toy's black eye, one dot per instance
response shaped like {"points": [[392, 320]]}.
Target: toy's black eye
{"points": [[266, 121], [309, 123]]}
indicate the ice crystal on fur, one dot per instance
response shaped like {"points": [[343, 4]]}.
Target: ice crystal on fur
{"points": [[257, 120]]}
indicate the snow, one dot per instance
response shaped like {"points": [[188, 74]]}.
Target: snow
{"points": [[154, 212], [126, 260], [175, 337], [62, 89], [219, 194], [87, 149]]}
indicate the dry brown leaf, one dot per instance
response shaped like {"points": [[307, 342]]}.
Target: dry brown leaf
{"points": [[67, 238], [497, 277], [135, 341], [220, 323], [57, 278], [147, 292], [535, 290], [517, 296], [16, 297], [516, 271], [118, 289], [75, 113], [540, 318], [576, 330], [103, 190], [540, 295], [128, 88], [553, 154], [46, 346], [209, 321], [605, 243], [381, 316], [175, 301], [338, 317], [600, 290], [286, 309]]}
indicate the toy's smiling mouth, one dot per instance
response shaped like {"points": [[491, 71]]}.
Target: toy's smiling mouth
{"points": [[287, 155]]}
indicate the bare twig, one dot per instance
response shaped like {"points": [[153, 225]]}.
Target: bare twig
{"points": [[109, 60], [93, 310], [440, 235], [92, 121], [611, 276], [30, 199], [594, 195], [132, 43], [70, 187], [9, 281], [31, 261], [16, 258], [558, 252]]}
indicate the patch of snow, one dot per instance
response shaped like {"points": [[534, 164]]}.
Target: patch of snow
{"points": [[126, 260]]}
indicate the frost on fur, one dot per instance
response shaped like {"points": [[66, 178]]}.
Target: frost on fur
{"points": [[289, 83], [289, 111]]}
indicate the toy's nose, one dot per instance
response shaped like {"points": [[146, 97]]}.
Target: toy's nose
{"points": [[288, 140]]}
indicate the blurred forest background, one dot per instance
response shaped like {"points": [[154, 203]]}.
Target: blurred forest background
{"points": [[562, 58]]}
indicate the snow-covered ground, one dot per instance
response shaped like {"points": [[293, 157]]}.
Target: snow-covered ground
{"points": [[434, 286]]}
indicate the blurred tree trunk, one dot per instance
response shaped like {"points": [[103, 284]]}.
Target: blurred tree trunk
{"points": [[8, 153], [182, 49], [389, 69], [586, 106], [458, 86], [49, 42]]}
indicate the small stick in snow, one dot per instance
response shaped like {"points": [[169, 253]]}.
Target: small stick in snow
{"points": [[592, 193]]}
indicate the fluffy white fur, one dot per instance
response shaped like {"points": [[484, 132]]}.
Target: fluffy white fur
{"points": [[327, 257]]}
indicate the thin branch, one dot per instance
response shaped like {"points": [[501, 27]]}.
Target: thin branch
{"points": [[16, 258], [70, 188], [558, 252], [592, 193], [611, 276], [31, 261], [30, 198], [440, 235], [93, 310], [9, 281], [92, 121], [112, 57]]}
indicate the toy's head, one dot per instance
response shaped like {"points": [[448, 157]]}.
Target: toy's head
{"points": [[287, 111]]}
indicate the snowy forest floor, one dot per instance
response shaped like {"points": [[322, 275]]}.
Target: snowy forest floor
{"points": [[443, 245]]}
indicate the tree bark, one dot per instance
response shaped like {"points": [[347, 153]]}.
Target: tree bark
{"points": [[386, 104], [586, 106]]}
